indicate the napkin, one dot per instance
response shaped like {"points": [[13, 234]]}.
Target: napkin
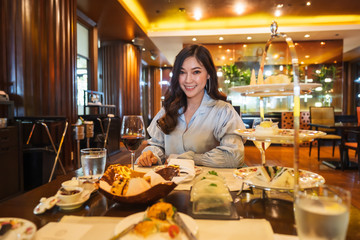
{"points": [[187, 169], [62, 231]]}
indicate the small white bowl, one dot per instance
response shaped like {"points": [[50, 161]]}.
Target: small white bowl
{"points": [[70, 194], [71, 183]]}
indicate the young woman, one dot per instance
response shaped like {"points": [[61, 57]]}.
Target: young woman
{"points": [[195, 122]]}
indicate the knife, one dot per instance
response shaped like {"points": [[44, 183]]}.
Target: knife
{"points": [[184, 227], [123, 232]]}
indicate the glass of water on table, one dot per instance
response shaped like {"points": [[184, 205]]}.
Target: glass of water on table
{"points": [[93, 161], [322, 212]]}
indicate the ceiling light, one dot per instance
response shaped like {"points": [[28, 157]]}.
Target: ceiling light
{"points": [[230, 59], [223, 58], [143, 49], [307, 56], [307, 36], [275, 56], [279, 5], [197, 14], [239, 8], [220, 46], [308, 3], [302, 62], [249, 38], [194, 39], [244, 45], [228, 50], [296, 44], [322, 43], [165, 65], [277, 13], [221, 38]]}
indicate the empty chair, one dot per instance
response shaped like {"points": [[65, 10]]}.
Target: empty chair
{"points": [[355, 134], [324, 116]]}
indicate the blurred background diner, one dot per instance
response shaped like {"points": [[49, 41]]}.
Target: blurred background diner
{"points": [[70, 70]]}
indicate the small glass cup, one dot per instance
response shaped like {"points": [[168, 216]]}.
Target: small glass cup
{"points": [[93, 161], [322, 212]]}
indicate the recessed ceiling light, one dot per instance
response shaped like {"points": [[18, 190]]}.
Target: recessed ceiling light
{"points": [[221, 38], [322, 43], [194, 39], [307, 56], [279, 5], [244, 45], [197, 14], [302, 62], [228, 50], [143, 49], [306, 35], [220, 46], [296, 44], [277, 13], [223, 58], [249, 38], [165, 65], [239, 8], [308, 3], [230, 59]]}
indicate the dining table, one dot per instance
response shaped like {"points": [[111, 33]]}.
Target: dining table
{"points": [[254, 207], [340, 128]]}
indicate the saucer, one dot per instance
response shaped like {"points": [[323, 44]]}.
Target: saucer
{"points": [[70, 206]]}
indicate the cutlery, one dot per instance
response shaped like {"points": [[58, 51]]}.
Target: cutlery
{"points": [[123, 232], [182, 225]]}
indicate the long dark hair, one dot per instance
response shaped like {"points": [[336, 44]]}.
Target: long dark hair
{"points": [[175, 98]]}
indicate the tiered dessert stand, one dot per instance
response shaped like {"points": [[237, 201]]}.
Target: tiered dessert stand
{"points": [[289, 136]]}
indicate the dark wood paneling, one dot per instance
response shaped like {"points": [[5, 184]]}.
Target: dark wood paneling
{"points": [[121, 76], [38, 44]]}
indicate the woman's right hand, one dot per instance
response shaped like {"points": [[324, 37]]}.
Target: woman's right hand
{"points": [[147, 159]]}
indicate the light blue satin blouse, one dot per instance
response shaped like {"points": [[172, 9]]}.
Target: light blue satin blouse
{"points": [[209, 139]]}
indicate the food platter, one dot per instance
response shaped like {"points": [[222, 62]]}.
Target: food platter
{"points": [[21, 229], [269, 90], [137, 217], [282, 136], [307, 179]]}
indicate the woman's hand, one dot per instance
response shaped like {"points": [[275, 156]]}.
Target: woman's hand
{"points": [[147, 159]]}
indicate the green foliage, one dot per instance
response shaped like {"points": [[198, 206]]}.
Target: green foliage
{"points": [[327, 87], [235, 76]]}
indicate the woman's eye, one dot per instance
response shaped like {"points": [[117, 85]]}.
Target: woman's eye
{"points": [[197, 72], [182, 72]]}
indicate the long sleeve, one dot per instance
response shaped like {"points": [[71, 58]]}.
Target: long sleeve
{"points": [[230, 152]]}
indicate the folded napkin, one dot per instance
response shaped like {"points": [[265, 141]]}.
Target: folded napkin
{"points": [[187, 169]]}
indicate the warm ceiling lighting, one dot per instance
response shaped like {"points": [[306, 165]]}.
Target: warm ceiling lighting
{"points": [[230, 59], [277, 13], [220, 46], [307, 56], [322, 43], [239, 8], [194, 39], [221, 38], [228, 50], [302, 62], [276, 56], [249, 38], [279, 5], [143, 49], [308, 3], [296, 44], [306, 35], [165, 65], [197, 14], [223, 58], [244, 45]]}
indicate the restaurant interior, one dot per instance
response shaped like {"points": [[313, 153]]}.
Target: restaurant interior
{"points": [[72, 69]]}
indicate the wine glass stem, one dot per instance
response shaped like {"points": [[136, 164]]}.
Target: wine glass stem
{"points": [[263, 153], [132, 160]]}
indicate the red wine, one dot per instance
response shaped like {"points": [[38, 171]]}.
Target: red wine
{"points": [[132, 142]]}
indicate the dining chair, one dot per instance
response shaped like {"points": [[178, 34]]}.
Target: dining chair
{"points": [[358, 114], [352, 134], [326, 116]]}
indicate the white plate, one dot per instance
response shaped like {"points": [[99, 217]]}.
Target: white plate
{"points": [[137, 217], [24, 229], [268, 90], [283, 136], [307, 179], [70, 206]]}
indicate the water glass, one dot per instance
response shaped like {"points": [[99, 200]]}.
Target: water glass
{"points": [[93, 161], [322, 212]]}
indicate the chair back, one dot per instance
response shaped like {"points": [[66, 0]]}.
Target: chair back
{"points": [[322, 115], [358, 114]]}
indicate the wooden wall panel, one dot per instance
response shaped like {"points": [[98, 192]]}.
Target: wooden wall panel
{"points": [[38, 58], [121, 77]]}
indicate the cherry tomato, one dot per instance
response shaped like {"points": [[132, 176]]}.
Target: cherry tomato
{"points": [[173, 231]]}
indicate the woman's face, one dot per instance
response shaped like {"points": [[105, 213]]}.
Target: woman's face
{"points": [[193, 77]]}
